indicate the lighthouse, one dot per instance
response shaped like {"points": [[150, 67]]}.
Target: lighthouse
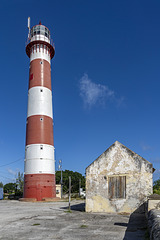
{"points": [[39, 166]]}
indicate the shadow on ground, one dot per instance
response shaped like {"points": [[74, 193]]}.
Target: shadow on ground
{"points": [[137, 225], [77, 207]]}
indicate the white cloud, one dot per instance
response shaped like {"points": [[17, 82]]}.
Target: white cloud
{"points": [[13, 172], [93, 93], [145, 147]]}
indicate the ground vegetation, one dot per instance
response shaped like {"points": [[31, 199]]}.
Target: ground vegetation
{"points": [[156, 186], [77, 179]]}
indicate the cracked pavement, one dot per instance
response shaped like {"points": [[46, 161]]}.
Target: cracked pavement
{"points": [[51, 220]]}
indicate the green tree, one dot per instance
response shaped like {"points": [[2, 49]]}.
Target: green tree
{"points": [[20, 181], [75, 177], [156, 187], [9, 187], [1, 185]]}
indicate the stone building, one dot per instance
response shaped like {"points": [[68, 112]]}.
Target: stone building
{"points": [[119, 180]]}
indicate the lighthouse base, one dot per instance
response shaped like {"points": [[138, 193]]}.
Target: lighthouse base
{"points": [[39, 186]]}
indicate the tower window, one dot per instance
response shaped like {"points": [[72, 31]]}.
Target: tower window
{"points": [[41, 119], [41, 62], [41, 90], [41, 147]]}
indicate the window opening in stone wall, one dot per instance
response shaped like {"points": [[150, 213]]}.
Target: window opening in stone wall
{"points": [[117, 187]]}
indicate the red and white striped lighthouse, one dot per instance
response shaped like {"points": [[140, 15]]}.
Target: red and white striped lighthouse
{"points": [[39, 170]]}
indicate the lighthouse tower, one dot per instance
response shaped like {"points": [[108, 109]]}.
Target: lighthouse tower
{"points": [[39, 170]]}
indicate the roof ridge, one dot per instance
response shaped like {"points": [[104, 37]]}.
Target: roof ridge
{"points": [[129, 150]]}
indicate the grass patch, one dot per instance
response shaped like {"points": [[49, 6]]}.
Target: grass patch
{"points": [[78, 198], [36, 224], [124, 213], [83, 226], [68, 211]]}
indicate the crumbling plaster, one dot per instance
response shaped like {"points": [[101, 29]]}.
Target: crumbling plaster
{"points": [[118, 161]]}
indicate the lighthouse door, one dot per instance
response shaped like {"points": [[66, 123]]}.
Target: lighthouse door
{"points": [[39, 193]]}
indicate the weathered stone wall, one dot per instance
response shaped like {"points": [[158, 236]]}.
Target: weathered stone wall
{"points": [[154, 224], [118, 161]]}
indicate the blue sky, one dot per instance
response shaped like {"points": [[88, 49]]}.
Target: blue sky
{"points": [[105, 79]]}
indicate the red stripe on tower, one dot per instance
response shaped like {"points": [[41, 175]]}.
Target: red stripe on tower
{"points": [[39, 170]]}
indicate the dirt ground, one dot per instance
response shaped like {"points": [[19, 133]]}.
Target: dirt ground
{"points": [[51, 220]]}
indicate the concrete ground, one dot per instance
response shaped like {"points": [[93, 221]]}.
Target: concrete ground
{"points": [[51, 220]]}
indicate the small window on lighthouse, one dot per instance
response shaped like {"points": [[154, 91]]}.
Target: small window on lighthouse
{"points": [[41, 90], [41, 62], [41, 147], [41, 119]]}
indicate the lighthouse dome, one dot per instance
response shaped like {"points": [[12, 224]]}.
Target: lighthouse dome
{"points": [[40, 32]]}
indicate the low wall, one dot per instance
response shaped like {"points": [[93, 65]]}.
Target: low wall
{"points": [[154, 224], [153, 204]]}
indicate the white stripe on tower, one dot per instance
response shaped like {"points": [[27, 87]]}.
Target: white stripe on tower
{"points": [[40, 102], [42, 53]]}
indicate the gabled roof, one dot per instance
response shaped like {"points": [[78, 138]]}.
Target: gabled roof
{"points": [[130, 152]]}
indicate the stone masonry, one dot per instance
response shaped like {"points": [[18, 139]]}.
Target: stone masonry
{"points": [[119, 180]]}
